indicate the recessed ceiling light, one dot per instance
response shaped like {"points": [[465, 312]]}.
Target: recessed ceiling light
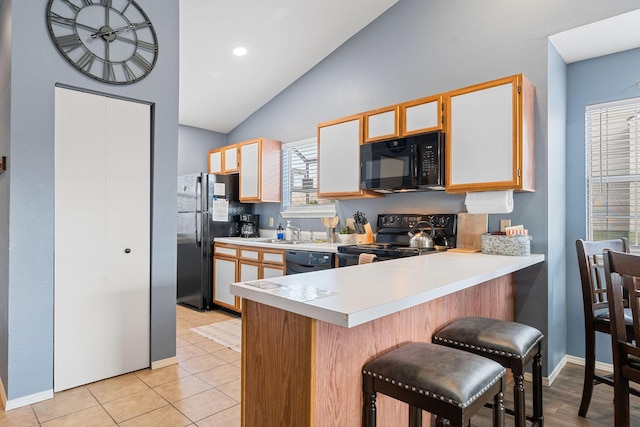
{"points": [[240, 51]]}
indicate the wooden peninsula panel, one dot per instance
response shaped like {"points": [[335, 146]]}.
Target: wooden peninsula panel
{"points": [[298, 371], [277, 360]]}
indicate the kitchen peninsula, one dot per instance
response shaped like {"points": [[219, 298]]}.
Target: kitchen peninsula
{"points": [[306, 337]]}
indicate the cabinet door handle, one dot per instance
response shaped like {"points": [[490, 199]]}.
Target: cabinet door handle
{"points": [[127, 251]]}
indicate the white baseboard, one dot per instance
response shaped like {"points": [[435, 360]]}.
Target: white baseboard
{"points": [[600, 366], [45, 395], [548, 381], [28, 400], [164, 363], [554, 374]]}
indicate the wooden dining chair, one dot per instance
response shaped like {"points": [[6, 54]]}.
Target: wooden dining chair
{"points": [[596, 310], [622, 272]]}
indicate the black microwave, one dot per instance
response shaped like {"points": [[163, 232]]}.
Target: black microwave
{"points": [[413, 163]]}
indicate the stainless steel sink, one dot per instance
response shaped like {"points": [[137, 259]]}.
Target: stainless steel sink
{"points": [[290, 242]]}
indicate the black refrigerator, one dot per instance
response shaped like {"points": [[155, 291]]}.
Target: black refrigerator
{"points": [[207, 208]]}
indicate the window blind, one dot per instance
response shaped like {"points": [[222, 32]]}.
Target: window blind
{"points": [[613, 170], [300, 173]]}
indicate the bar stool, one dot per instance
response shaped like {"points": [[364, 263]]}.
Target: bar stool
{"points": [[511, 344], [451, 384]]}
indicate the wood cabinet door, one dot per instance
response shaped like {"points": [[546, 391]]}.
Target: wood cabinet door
{"points": [[248, 271], [215, 161], [339, 157], [225, 273], [421, 115], [102, 196], [485, 141], [272, 256], [270, 271], [250, 171], [230, 158], [383, 123]]}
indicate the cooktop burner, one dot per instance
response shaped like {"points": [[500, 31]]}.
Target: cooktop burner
{"points": [[374, 245]]}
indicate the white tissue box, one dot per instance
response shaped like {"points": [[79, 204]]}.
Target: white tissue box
{"points": [[506, 245]]}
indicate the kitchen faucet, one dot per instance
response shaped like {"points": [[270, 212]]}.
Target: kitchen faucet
{"points": [[295, 233]]}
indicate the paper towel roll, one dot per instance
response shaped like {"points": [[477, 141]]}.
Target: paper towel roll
{"points": [[489, 202]]}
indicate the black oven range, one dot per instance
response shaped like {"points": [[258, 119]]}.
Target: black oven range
{"points": [[392, 239]]}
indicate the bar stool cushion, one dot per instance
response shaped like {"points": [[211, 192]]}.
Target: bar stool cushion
{"points": [[501, 337], [439, 372]]}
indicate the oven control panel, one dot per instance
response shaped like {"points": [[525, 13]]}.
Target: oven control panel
{"points": [[445, 222]]}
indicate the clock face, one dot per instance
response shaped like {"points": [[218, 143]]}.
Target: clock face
{"points": [[109, 40]]}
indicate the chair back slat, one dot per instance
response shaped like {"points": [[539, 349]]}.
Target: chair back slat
{"points": [[592, 275]]}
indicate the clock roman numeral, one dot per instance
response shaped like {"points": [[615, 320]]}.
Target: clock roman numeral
{"points": [[149, 47], [106, 3], [87, 2], [141, 62], [75, 8], [108, 72], [128, 73], [86, 61], [68, 42], [61, 20], [142, 24], [126, 7]]}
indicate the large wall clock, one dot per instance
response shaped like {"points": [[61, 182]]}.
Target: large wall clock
{"points": [[109, 40]]}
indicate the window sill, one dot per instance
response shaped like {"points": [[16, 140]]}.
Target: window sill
{"points": [[311, 211]]}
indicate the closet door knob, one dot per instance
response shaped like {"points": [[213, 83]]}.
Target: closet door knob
{"points": [[127, 251]]}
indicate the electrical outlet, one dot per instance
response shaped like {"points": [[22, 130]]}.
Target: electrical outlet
{"points": [[504, 223]]}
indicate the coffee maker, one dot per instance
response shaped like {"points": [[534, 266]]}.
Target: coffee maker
{"points": [[249, 225]]}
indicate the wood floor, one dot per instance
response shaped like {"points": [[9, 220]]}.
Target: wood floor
{"points": [[562, 400]]}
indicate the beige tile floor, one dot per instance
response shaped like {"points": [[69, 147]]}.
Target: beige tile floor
{"points": [[202, 390]]}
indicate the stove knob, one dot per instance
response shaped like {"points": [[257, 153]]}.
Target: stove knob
{"points": [[384, 220]]}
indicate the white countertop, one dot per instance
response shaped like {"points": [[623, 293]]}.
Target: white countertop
{"points": [[362, 293], [264, 242]]}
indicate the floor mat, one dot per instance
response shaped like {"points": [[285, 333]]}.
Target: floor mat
{"points": [[227, 333]]}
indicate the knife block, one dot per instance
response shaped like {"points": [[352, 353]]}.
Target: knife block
{"points": [[363, 239], [367, 237]]}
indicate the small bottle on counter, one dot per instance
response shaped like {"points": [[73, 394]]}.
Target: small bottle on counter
{"points": [[280, 232], [287, 232]]}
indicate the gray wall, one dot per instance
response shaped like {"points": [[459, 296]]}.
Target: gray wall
{"points": [[5, 128], [604, 79], [557, 209], [27, 269], [420, 48], [193, 145]]}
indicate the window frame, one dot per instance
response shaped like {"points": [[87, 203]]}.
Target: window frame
{"points": [[612, 171], [289, 210]]}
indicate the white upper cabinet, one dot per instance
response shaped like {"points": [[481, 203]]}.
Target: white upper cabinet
{"points": [[383, 123], [339, 159], [421, 115], [260, 170], [224, 160], [215, 161], [231, 163], [489, 136]]}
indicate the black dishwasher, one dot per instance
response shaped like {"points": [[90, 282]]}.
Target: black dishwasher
{"points": [[305, 262]]}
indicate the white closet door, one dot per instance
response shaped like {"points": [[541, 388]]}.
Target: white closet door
{"points": [[102, 192], [127, 242]]}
